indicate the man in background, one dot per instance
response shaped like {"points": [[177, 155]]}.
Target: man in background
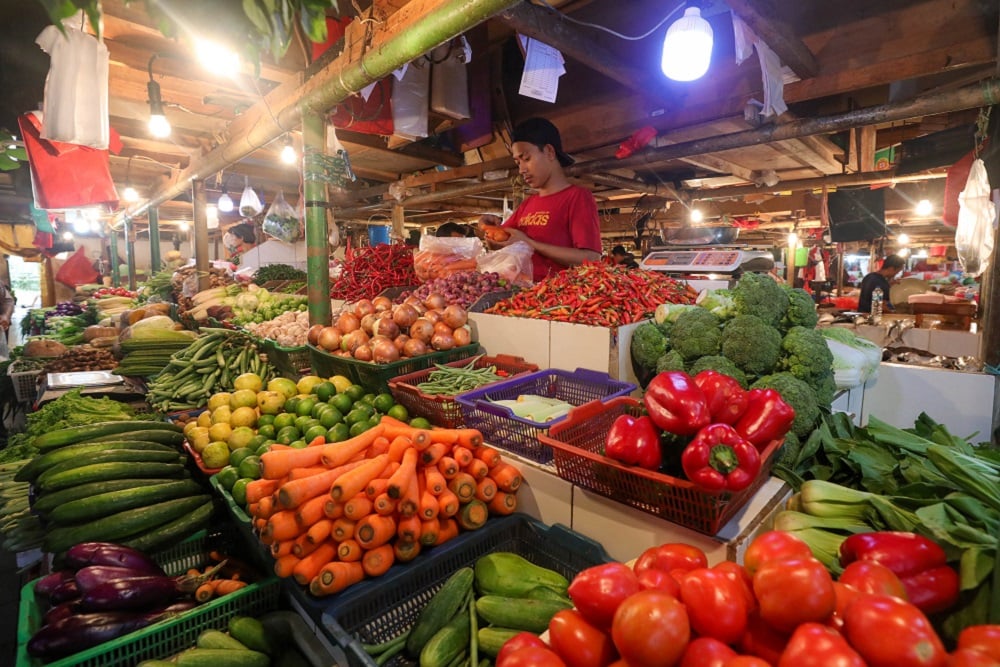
{"points": [[891, 265], [622, 258]]}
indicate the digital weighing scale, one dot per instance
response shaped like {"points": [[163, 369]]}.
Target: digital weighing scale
{"points": [[707, 268]]}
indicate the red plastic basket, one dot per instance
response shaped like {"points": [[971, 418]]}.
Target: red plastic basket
{"points": [[577, 443], [442, 410]]}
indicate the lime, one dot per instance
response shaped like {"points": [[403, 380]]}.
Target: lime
{"points": [[419, 422], [359, 414], [227, 476], [298, 444], [267, 431], [399, 412], [239, 491], [342, 402], [355, 391], [358, 428], [291, 404], [324, 391], [283, 420], [338, 433], [383, 402], [265, 420], [331, 418], [319, 409], [302, 422], [305, 406], [314, 432], [257, 441], [288, 434], [264, 448], [250, 467], [237, 455]]}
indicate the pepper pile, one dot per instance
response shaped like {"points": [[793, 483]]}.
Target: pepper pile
{"points": [[596, 294], [368, 271]]}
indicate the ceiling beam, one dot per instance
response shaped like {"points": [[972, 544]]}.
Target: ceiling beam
{"points": [[768, 22], [843, 180]]}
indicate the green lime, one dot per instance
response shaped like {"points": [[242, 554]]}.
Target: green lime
{"points": [[331, 418], [227, 477], [265, 420], [249, 467], [257, 441], [237, 455], [298, 444], [342, 402], [338, 433], [305, 406], [319, 409], [324, 390], [264, 448], [283, 420], [359, 414], [358, 428], [383, 402], [302, 423], [292, 404], [314, 432], [399, 412], [288, 434], [368, 399], [267, 431], [355, 391], [419, 422], [239, 491]]}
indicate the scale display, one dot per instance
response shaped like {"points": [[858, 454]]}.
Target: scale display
{"points": [[693, 261]]}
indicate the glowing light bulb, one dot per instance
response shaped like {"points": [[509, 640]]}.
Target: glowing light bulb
{"points": [[67, 236], [216, 58], [903, 252], [225, 203], [159, 126], [697, 215], [288, 154], [793, 239], [903, 239], [687, 47], [923, 207], [130, 194], [184, 226]]}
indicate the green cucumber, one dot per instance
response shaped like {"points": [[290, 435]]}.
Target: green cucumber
{"points": [[251, 633], [217, 657], [105, 471], [109, 456], [505, 573], [217, 639], [172, 532], [441, 608], [156, 663], [73, 434], [160, 435], [103, 504], [447, 643], [121, 525], [39, 464], [47, 502], [545, 593], [492, 639], [519, 613]]}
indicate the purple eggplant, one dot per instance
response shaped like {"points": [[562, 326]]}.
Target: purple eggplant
{"points": [[91, 576], [82, 631], [61, 611], [136, 593], [64, 592], [178, 607], [50, 582], [106, 553]]}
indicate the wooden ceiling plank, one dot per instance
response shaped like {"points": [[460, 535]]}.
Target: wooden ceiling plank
{"points": [[768, 22]]}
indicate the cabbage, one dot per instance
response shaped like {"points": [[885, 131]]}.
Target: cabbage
{"points": [[855, 359]]}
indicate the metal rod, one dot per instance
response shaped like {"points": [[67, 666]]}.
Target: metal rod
{"points": [[154, 239], [116, 276], [199, 203], [317, 230], [129, 230]]}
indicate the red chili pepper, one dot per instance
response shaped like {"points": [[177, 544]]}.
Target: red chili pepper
{"points": [[635, 441], [718, 459], [676, 404], [766, 417]]}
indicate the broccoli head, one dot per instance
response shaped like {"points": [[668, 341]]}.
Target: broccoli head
{"points": [[719, 364], [759, 295], [671, 361], [825, 387], [648, 344], [797, 394], [696, 333], [751, 344], [801, 309], [805, 354], [718, 301], [788, 455]]}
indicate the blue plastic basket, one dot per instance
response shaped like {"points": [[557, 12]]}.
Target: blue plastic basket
{"points": [[378, 610], [499, 426]]}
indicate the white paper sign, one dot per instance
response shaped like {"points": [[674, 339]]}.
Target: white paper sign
{"points": [[543, 65]]}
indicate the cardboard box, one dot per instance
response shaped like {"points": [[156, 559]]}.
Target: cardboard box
{"points": [[519, 336], [543, 494]]}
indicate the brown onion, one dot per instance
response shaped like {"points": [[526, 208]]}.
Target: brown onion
{"points": [[440, 327], [382, 303], [368, 323], [422, 329], [404, 314], [352, 340], [432, 315], [364, 353], [347, 322], [384, 352], [435, 301], [462, 336], [329, 338], [455, 316], [414, 348], [441, 341], [399, 341], [363, 307], [386, 327], [313, 334]]}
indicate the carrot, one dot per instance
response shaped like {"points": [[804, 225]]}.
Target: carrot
{"points": [[395, 428], [279, 549], [488, 455], [405, 550], [252, 509], [429, 532], [398, 447], [319, 531], [283, 566], [380, 445], [400, 480], [428, 508], [259, 524], [335, 577], [408, 528], [473, 514], [339, 453], [463, 455], [357, 507], [507, 477], [448, 467], [294, 493], [259, 488], [503, 503], [205, 592], [421, 439], [282, 526], [376, 487], [433, 454], [469, 438], [302, 547], [278, 447], [464, 486], [486, 488], [266, 506], [377, 561], [299, 473], [309, 567], [409, 502], [349, 551], [311, 511], [352, 482], [374, 530], [332, 509], [217, 587], [478, 469], [447, 531], [384, 505], [343, 529], [275, 465], [434, 480], [448, 503]]}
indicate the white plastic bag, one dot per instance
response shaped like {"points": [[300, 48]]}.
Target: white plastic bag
{"points": [[250, 203], [450, 79], [512, 263], [976, 218], [282, 222], [410, 101]]}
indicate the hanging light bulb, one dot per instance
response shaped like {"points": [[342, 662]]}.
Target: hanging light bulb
{"points": [[687, 47], [159, 126], [903, 252], [131, 194], [288, 154], [184, 226], [903, 238], [793, 239], [923, 207], [225, 202], [67, 235], [217, 58], [697, 215]]}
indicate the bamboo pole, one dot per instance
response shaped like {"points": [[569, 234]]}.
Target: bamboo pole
{"points": [[129, 230], [317, 230], [116, 276], [154, 239], [199, 203]]}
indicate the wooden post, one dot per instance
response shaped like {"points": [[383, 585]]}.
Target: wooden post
{"points": [[317, 229], [397, 222], [200, 231]]}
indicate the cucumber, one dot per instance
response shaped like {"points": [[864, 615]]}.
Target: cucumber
{"points": [[492, 639], [545, 593], [47, 502], [217, 639], [505, 573], [103, 504], [171, 532], [160, 435], [106, 471], [156, 663], [442, 608], [216, 657], [121, 525], [109, 456], [448, 643], [39, 464], [73, 434], [251, 633], [519, 613]]}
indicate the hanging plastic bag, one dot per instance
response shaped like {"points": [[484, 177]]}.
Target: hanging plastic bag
{"points": [[410, 101], [250, 204], [77, 270], [444, 256], [282, 222], [450, 79], [512, 263], [976, 218]]}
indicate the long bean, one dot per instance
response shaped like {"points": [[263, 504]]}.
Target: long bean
{"points": [[452, 380]]}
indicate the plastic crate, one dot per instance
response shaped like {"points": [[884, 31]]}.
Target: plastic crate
{"points": [[380, 609], [291, 362], [375, 377], [499, 426], [260, 554], [490, 299], [25, 383], [442, 410], [395, 292], [579, 440], [164, 638]]}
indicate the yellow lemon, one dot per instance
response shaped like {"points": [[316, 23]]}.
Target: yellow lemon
{"points": [[190, 425], [215, 455], [341, 383], [221, 414], [249, 381], [243, 398], [220, 431], [198, 438], [307, 382], [245, 416], [283, 386], [205, 418], [240, 437], [218, 399], [270, 402]]}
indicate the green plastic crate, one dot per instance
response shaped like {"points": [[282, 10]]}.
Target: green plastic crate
{"points": [[291, 362], [375, 377]]}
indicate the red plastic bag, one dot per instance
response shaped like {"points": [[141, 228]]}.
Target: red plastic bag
{"points": [[66, 175], [77, 270], [371, 116]]}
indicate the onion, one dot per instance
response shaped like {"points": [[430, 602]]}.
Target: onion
{"points": [[352, 340], [386, 327], [414, 348], [435, 301], [347, 322], [384, 351], [404, 315], [400, 341], [313, 334], [364, 353], [432, 315], [440, 327], [422, 329], [329, 338], [382, 303], [368, 323], [462, 336], [440, 341], [455, 316], [363, 307]]}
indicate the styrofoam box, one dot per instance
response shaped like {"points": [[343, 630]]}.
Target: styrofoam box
{"points": [[543, 495]]}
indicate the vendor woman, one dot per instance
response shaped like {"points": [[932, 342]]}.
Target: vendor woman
{"points": [[238, 239], [560, 220]]}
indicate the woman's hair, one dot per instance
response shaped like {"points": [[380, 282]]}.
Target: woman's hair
{"points": [[452, 228], [244, 232]]}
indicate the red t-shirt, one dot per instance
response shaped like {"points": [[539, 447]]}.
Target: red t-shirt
{"points": [[567, 218]]}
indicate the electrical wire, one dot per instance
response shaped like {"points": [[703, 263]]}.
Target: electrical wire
{"points": [[619, 35]]}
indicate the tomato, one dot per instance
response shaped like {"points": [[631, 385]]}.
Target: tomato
{"points": [[671, 556], [519, 641], [748, 661], [889, 632], [738, 573], [845, 596], [659, 580], [651, 629], [982, 638], [870, 577], [531, 656], [578, 642], [773, 545], [716, 605], [816, 645], [967, 657], [598, 590], [794, 591], [762, 640], [706, 652]]}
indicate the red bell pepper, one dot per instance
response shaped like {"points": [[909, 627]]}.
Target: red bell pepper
{"points": [[635, 441], [766, 418], [676, 404], [727, 400], [920, 563], [719, 459]]}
